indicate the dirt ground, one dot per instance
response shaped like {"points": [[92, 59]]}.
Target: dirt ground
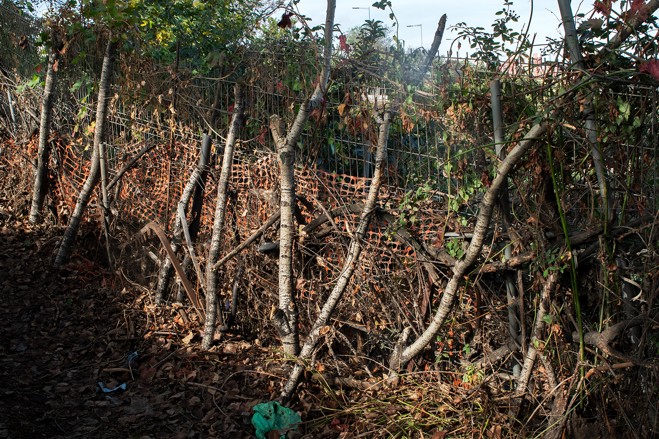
{"points": [[85, 353], [65, 332]]}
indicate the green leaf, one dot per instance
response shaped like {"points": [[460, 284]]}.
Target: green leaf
{"points": [[547, 319], [34, 81], [77, 85], [82, 112]]}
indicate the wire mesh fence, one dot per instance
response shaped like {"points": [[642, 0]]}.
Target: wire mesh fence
{"points": [[170, 106]]}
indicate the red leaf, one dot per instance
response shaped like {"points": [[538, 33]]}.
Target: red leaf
{"points": [[651, 68], [285, 20], [485, 179], [55, 64], [344, 45], [261, 137], [640, 9], [603, 6], [39, 68]]}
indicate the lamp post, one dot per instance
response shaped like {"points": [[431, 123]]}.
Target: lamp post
{"points": [[369, 10], [419, 26]]}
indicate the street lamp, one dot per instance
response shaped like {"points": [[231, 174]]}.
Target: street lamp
{"points": [[420, 26], [369, 11]]}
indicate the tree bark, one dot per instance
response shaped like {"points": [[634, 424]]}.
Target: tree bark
{"points": [[626, 29], [383, 118], [41, 176], [106, 205], [220, 213], [434, 47], [288, 326], [93, 177], [473, 252], [572, 42], [204, 164], [166, 269], [504, 208], [532, 351], [351, 262]]}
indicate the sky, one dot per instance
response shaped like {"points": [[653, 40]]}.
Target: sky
{"points": [[545, 21]]}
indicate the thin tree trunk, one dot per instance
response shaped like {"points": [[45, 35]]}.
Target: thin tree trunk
{"points": [[204, 163], [434, 47], [504, 208], [92, 178], [220, 214], [285, 318], [198, 197], [166, 269], [106, 205], [474, 250], [572, 42], [532, 351], [354, 250], [41, 176], [351, 262]]}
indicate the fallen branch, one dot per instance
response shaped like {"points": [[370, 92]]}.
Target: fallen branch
{"points": [[166, 268], [531, 353], [322, 219], [356, 208], [439, 255], [192, 294], [608, 367], [575, 240], [274, 218], [330, 218], [491, 358], [603, 340], [188, 240], [129, 165]]}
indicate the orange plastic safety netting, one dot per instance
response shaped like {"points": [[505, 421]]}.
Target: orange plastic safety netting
{"points": [[150, 191]]}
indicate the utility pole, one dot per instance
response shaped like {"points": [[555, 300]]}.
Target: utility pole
{"points": [[421, 27], [369, 11]]}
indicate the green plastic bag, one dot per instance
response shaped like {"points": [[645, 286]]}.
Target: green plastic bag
{"points": [[273, 416]]}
